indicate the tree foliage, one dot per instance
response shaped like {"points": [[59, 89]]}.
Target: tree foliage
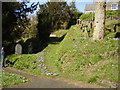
{"points": [[53, 15], [74, 14], [14, 19], [31, 30], [9, 20], [50, 17]]}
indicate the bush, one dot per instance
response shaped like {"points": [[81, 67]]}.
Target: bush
{"points": [[113, 13], [109, 13], [89, 16], [78, 14]]}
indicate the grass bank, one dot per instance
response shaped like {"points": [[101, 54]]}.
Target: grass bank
{"points": [[76, 58]]}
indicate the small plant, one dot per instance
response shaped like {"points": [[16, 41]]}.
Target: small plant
{"points": [[93, 79]]}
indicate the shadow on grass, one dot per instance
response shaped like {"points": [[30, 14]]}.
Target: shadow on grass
{"points": [[9, 63], [33, 45], [56, 40], [36, 46], [117, 35]]}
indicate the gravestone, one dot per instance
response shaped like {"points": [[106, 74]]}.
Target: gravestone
{"points": [[110, 17], [78, 21], [81, 27], [114, 27], [88, 31], [117, 35], [91, 25], [18, 49]]}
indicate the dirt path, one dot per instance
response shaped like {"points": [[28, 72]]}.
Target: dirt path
{"points": [[37, 82], [40, 82]]}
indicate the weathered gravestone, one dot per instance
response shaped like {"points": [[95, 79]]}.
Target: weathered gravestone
{"points": [[114, 27], [79, 21], [91, 25], [18, 49]]}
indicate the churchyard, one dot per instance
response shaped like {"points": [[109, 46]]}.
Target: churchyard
{"points": [[74, 57], [60, 44]]}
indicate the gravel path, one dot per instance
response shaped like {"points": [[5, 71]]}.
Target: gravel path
{"points": [[38, 82]]}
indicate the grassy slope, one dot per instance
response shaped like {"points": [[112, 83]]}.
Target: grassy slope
{"points": [[81, 55], [83, 60], [76, 58]]}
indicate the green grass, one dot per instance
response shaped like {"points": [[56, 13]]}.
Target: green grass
{"points": [[9, 79], [59, 33], [26, 62], [75, 58], [79, 55]]}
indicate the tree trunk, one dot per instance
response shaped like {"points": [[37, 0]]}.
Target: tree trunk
{"points": [[100, 7]]}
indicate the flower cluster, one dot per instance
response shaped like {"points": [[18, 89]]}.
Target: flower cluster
{"points": [[42, 67], [52, 74], [40, 60], [42, 54]]}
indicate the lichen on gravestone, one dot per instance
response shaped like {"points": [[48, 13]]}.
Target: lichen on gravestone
{"points": [[18, 49]]}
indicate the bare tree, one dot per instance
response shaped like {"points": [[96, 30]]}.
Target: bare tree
{"points": [[100, 6]]}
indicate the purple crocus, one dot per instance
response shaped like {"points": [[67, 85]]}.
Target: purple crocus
{"points": [[40, 60], [39, 65], [49, 74], [55, 74], [52, 74], [42, 54]]}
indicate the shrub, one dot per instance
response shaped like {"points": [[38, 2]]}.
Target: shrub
{"points": [[89, 16], [109, 13], [114, 13]]}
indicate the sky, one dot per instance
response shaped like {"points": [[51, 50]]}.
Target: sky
{"points": [[80, 4]]}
